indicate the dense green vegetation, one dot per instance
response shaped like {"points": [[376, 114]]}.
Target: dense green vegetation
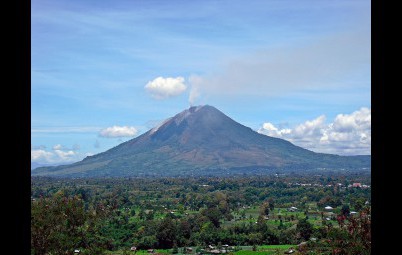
{"points": [[110, 215]]}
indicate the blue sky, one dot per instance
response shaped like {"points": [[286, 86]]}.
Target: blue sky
{"points": [[299, 70]]}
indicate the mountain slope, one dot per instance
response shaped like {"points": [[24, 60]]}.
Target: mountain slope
{"points": [[202, 140]]}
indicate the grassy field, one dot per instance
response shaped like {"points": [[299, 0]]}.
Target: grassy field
{"points": [[139, 252], [245, 250], [264, 250], [251, 215]]}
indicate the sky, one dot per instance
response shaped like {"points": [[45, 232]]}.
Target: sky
{"points": [[104, 72]]}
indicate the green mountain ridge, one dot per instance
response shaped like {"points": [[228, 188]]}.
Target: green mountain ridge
{"points": [[202, 140]]}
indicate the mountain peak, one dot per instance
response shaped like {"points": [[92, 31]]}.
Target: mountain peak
{"points": [[178, 118], [185, 115], [201, 140]]}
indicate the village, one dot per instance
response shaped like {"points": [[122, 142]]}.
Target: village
{"points": [[240, 216]]}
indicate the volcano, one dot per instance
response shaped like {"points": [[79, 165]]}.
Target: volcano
{"points": [[200, 141]]}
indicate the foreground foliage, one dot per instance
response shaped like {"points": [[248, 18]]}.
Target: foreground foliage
{"points": [[98, 215]]}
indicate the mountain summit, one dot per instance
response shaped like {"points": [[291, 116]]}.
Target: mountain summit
{"points": [[202, 140]]}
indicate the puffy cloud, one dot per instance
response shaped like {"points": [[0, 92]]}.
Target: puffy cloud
{"points": [[61, 147], [65, 155], [348, 134], [118, 131], [309, 128], [41, 155], [271, 130], [360, 120], [57, 155], [162, 88]]}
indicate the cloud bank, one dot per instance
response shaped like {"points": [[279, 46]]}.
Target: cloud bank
{"points": [[118, 131], [58, 154], [163, 88], [321, 63], [348, 134]]}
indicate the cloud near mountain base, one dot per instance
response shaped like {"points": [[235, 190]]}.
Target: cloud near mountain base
{"points": [[348, 134]]}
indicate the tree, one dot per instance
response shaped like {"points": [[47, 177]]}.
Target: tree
{"points": [[264, 209], [213, 215], [261, 225], [149, 215], [304, 228], [175, 249], [353, 236], [358, 203], [141, 214], [166, 234], [345, 210], [271, 203], [60, 224], [243, 214], [132, 212]]}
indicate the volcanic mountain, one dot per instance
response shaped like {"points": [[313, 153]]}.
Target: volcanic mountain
{"points": [[202, 140]]}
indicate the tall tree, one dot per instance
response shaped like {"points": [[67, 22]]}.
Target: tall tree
{"points": [[304, 228], [166, 234]]}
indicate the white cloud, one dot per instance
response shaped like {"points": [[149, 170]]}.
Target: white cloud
{"points": [[162, 88], [64, 155], [309, 128], [58, 154], [57, 147], [75, 147], [118, 131], [348, 134], [55, 156], [41, 155], [360, 120]]}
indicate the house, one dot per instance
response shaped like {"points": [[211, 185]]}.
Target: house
{"points": [[290, 251], [77, 251], [150, 250], [292, 209], [189, 250], [357, 185], [133, 248], [328, 207]]}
